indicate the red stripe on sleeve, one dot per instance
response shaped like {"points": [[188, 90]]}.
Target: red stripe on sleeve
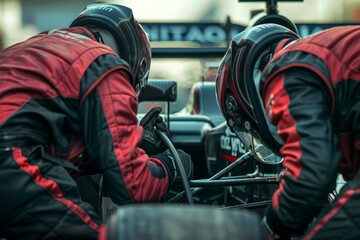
{"points": [[339, 204], [103, 233], [276, 101], [52, 187]]}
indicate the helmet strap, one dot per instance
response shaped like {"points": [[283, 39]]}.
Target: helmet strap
{"points": [[98, 36], [105, 37]]}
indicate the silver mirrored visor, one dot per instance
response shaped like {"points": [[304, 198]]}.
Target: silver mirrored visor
{"points": [[257, 147]]}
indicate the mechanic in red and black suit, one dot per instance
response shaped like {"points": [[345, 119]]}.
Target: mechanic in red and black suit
{"points": [[301, 99], [68, 100]]}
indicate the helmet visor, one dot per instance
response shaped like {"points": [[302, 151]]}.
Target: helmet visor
{"points": [[256, 145]]}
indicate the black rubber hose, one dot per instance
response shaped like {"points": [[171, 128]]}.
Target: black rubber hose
{"points": [[179, 165]]}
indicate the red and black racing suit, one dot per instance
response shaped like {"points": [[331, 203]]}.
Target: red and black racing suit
{"points": [[60, 89], [311, 92]]}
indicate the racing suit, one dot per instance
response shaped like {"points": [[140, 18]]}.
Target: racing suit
{"points": [[67, 103], [311, 92]]}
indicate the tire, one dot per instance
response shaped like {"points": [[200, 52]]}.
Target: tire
{"points": [[180, 222]]}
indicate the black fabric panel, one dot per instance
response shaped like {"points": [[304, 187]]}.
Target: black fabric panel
{"points": [[347, 106], [96, 70], [347, 124], [50, 119], [297, 59], [29, 211]]}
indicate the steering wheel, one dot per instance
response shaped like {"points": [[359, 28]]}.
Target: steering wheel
{"points": [[179, 165]]}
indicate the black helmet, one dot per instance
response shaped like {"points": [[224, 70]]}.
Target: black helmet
{"points": [[238, 84], [131, 39], [263, 17]]}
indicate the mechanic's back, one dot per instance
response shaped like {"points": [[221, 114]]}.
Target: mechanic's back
{"points": [[312, 91], [68, 100]]}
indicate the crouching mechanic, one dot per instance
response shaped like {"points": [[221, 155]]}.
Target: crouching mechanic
{"points": [[300, 99], [68, 100]]}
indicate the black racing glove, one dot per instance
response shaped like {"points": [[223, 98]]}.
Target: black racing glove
{"points": [[276, 229], [151, 142], [174, 175]]}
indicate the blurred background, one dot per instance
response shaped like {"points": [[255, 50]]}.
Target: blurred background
{"points": [[20, 19], [174, 21]]}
